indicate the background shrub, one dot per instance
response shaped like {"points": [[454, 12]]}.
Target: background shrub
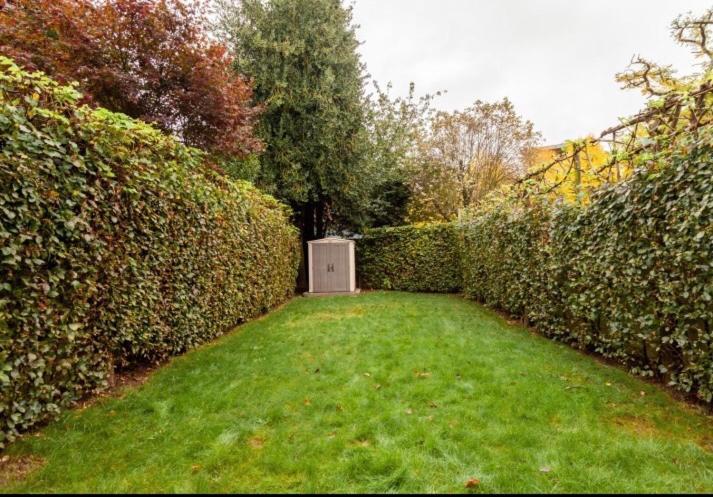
{"points": [[410, 258], [629, 276], [117, 246]]}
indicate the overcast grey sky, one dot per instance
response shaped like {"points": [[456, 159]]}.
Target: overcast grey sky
{"points": [[555, 59]]}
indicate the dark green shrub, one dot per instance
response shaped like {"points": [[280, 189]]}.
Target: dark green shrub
{"points": [[117, 246], [410, 258], [629, 276]]}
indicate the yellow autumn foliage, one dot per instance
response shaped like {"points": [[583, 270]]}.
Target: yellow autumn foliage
{"points": [[575, 178]]}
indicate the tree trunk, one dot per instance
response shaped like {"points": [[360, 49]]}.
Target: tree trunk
{"points": [[306, 226], [312, 226], [320, 222], [577, 176]]}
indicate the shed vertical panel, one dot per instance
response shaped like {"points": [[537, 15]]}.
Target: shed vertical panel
{"points": [[319, 264], [346, 268], [352, 267]]}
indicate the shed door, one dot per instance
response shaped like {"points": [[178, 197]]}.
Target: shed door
{"points": [[331, 267]]}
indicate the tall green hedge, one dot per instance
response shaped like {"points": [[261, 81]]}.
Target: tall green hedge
{"points": [[410, 258], [629, 276], [117, 246]]}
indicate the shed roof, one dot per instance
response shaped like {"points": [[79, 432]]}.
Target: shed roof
{"points": [[331, 239]]}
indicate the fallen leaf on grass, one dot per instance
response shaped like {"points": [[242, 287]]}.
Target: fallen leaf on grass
{"points": [[706, 444], [422, 374], [472, 483], [409, 411], [307, 402], [257, 442], [545, 469]]}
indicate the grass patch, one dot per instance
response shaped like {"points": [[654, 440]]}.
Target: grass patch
{"points": [[13, 469], [384, 392]]}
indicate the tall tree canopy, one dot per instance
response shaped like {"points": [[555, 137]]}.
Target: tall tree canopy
{"points": [[302, 58], [150, 59], [395, 127], [468, 154]]}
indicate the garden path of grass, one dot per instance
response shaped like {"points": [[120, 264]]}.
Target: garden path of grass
{"points": [[384, 392]]}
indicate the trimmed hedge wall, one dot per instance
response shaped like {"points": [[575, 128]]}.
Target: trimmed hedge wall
{"points": [[117, 246], [629, 276], [410, 258]]}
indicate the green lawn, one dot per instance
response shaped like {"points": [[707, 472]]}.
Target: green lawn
{"points": [[385, 392]]}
